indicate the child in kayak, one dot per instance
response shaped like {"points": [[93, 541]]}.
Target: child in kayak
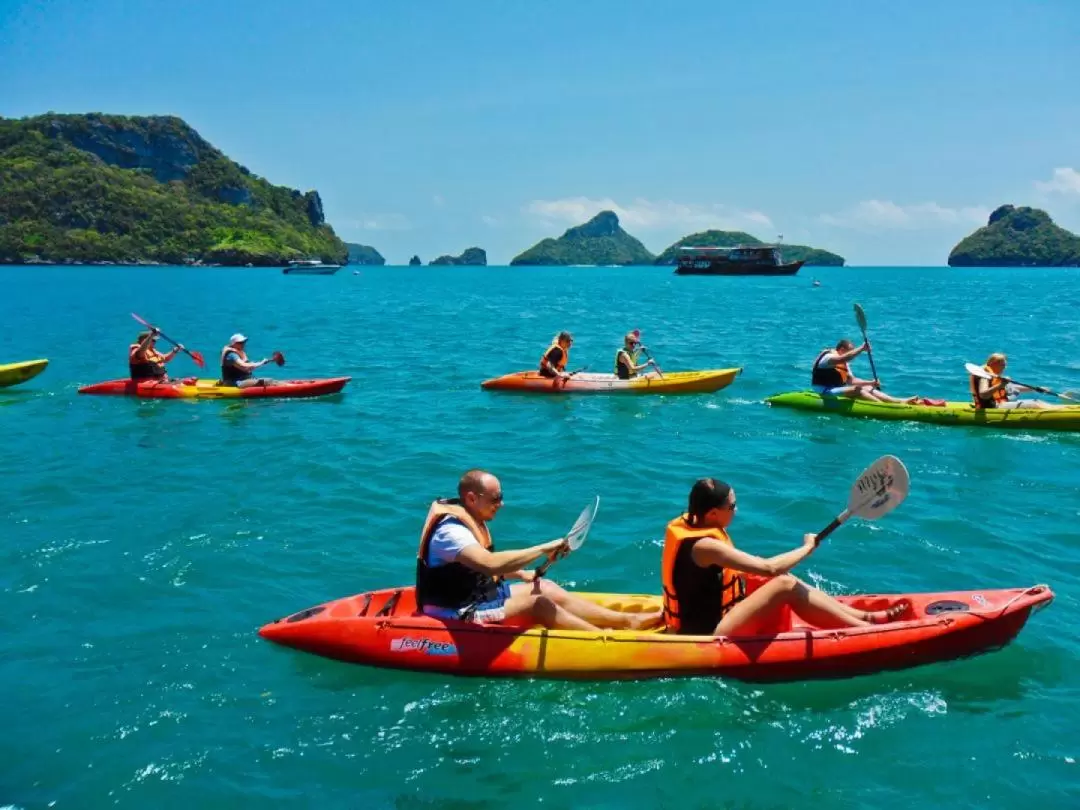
{"points": [[554, 359], [994, 392], [626, 364], [145, 362], [705, 587], [831, 377], [460, 575]]}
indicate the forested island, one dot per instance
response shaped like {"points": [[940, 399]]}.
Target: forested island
{"points": [[134, 189], [1018, 237]]}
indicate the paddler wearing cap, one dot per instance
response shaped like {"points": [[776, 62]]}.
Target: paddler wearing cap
{"points": [[145, 362], [235, 367], [626, 358]]}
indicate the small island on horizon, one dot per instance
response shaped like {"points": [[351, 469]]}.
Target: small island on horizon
{"points": [[1018, 237]]}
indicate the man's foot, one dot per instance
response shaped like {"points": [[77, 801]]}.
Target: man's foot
{"points": [[911, 400], [891, 614]]}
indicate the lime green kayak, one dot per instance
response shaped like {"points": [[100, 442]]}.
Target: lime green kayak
{"points": [[15, 373], [949, 413]]}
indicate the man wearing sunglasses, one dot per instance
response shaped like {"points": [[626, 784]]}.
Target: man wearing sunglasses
{"points": [[460, 575]]}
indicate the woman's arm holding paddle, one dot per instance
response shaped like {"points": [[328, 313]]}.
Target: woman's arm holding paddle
{"points": [[713, 552]]}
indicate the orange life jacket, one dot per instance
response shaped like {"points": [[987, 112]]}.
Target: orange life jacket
{"points": [[148, 364], [565, 356], [715, 601], [452, 585], [1001, 395]]}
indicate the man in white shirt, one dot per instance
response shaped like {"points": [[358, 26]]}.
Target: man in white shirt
{"points": [[460, 575]]}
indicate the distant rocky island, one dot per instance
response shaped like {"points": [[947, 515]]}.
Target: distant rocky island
{"points": [[791, 253], [133, 189], [415, 261], [602, 241], [1018, 237], [473, 256], [364, 254]]}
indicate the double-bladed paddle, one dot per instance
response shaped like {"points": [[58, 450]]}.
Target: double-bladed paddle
{"points": [[196, 356], [979, 371], [881, 488], [645, 351], [577, 534], [860, 318]]}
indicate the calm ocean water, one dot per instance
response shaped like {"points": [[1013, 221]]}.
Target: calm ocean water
{"points": [[143, 543]]}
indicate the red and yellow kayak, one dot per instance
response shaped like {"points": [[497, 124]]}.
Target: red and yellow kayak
{"points": [[672, 382], [383, 629], [191, 388]]}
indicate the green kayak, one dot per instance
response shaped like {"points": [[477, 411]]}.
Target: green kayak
{"points": [[948, 413]]}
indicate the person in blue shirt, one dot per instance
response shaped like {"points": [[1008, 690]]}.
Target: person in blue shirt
{"points": [[236, 369]]}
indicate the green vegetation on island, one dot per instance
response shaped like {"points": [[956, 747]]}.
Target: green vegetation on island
{"points": [[1018, 237], [791, 253], [364, 254], [474, 256], [112, 188], [599, 241]]}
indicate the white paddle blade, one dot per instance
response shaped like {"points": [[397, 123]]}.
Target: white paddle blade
{"points": [[978, 371], [880, 489], [580, 530]]}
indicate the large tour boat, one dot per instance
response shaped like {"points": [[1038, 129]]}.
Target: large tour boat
{"points": [[310, 267], [740, 260]]}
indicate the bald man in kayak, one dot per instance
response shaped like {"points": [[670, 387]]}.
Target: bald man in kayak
{"points": [[831, 377], [460, 575]]}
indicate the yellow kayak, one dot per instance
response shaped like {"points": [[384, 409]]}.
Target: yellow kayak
{"points": [[670, 382], [15, 373]]}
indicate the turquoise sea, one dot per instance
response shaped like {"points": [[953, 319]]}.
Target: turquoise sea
{"points": [[143, 543]]}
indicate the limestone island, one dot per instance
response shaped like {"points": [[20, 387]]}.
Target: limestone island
{"points": [[1018, 237], [474, 256], [723, 239], [145, 190], [600, 241], [364, 254], [415, 261]]}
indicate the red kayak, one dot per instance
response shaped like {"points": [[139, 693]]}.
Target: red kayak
{"points": [[191, 388], [383, 629]]}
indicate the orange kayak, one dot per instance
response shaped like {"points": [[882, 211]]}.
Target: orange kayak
{"points": [[383, 629], [672, 382]]}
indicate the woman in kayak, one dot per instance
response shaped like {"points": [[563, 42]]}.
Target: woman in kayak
{"points": [[236, 369], [831, 377], [553, 361], [460, 575], [994, 393], [145, 362], [705, 587], [626, 365]]}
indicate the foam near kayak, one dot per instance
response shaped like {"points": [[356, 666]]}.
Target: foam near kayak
{"points": [[15, 373], [382, 629], [191, 388], [950, 413], [672, 382]]}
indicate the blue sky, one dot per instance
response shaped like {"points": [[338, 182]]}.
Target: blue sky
{"points": [[883, 131]]}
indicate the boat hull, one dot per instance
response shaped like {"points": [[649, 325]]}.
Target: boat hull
{"points": [[733, 269], [191, 388], [310, 271], [674, 382], [383, 629], [951, 413], [15, 373]]}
